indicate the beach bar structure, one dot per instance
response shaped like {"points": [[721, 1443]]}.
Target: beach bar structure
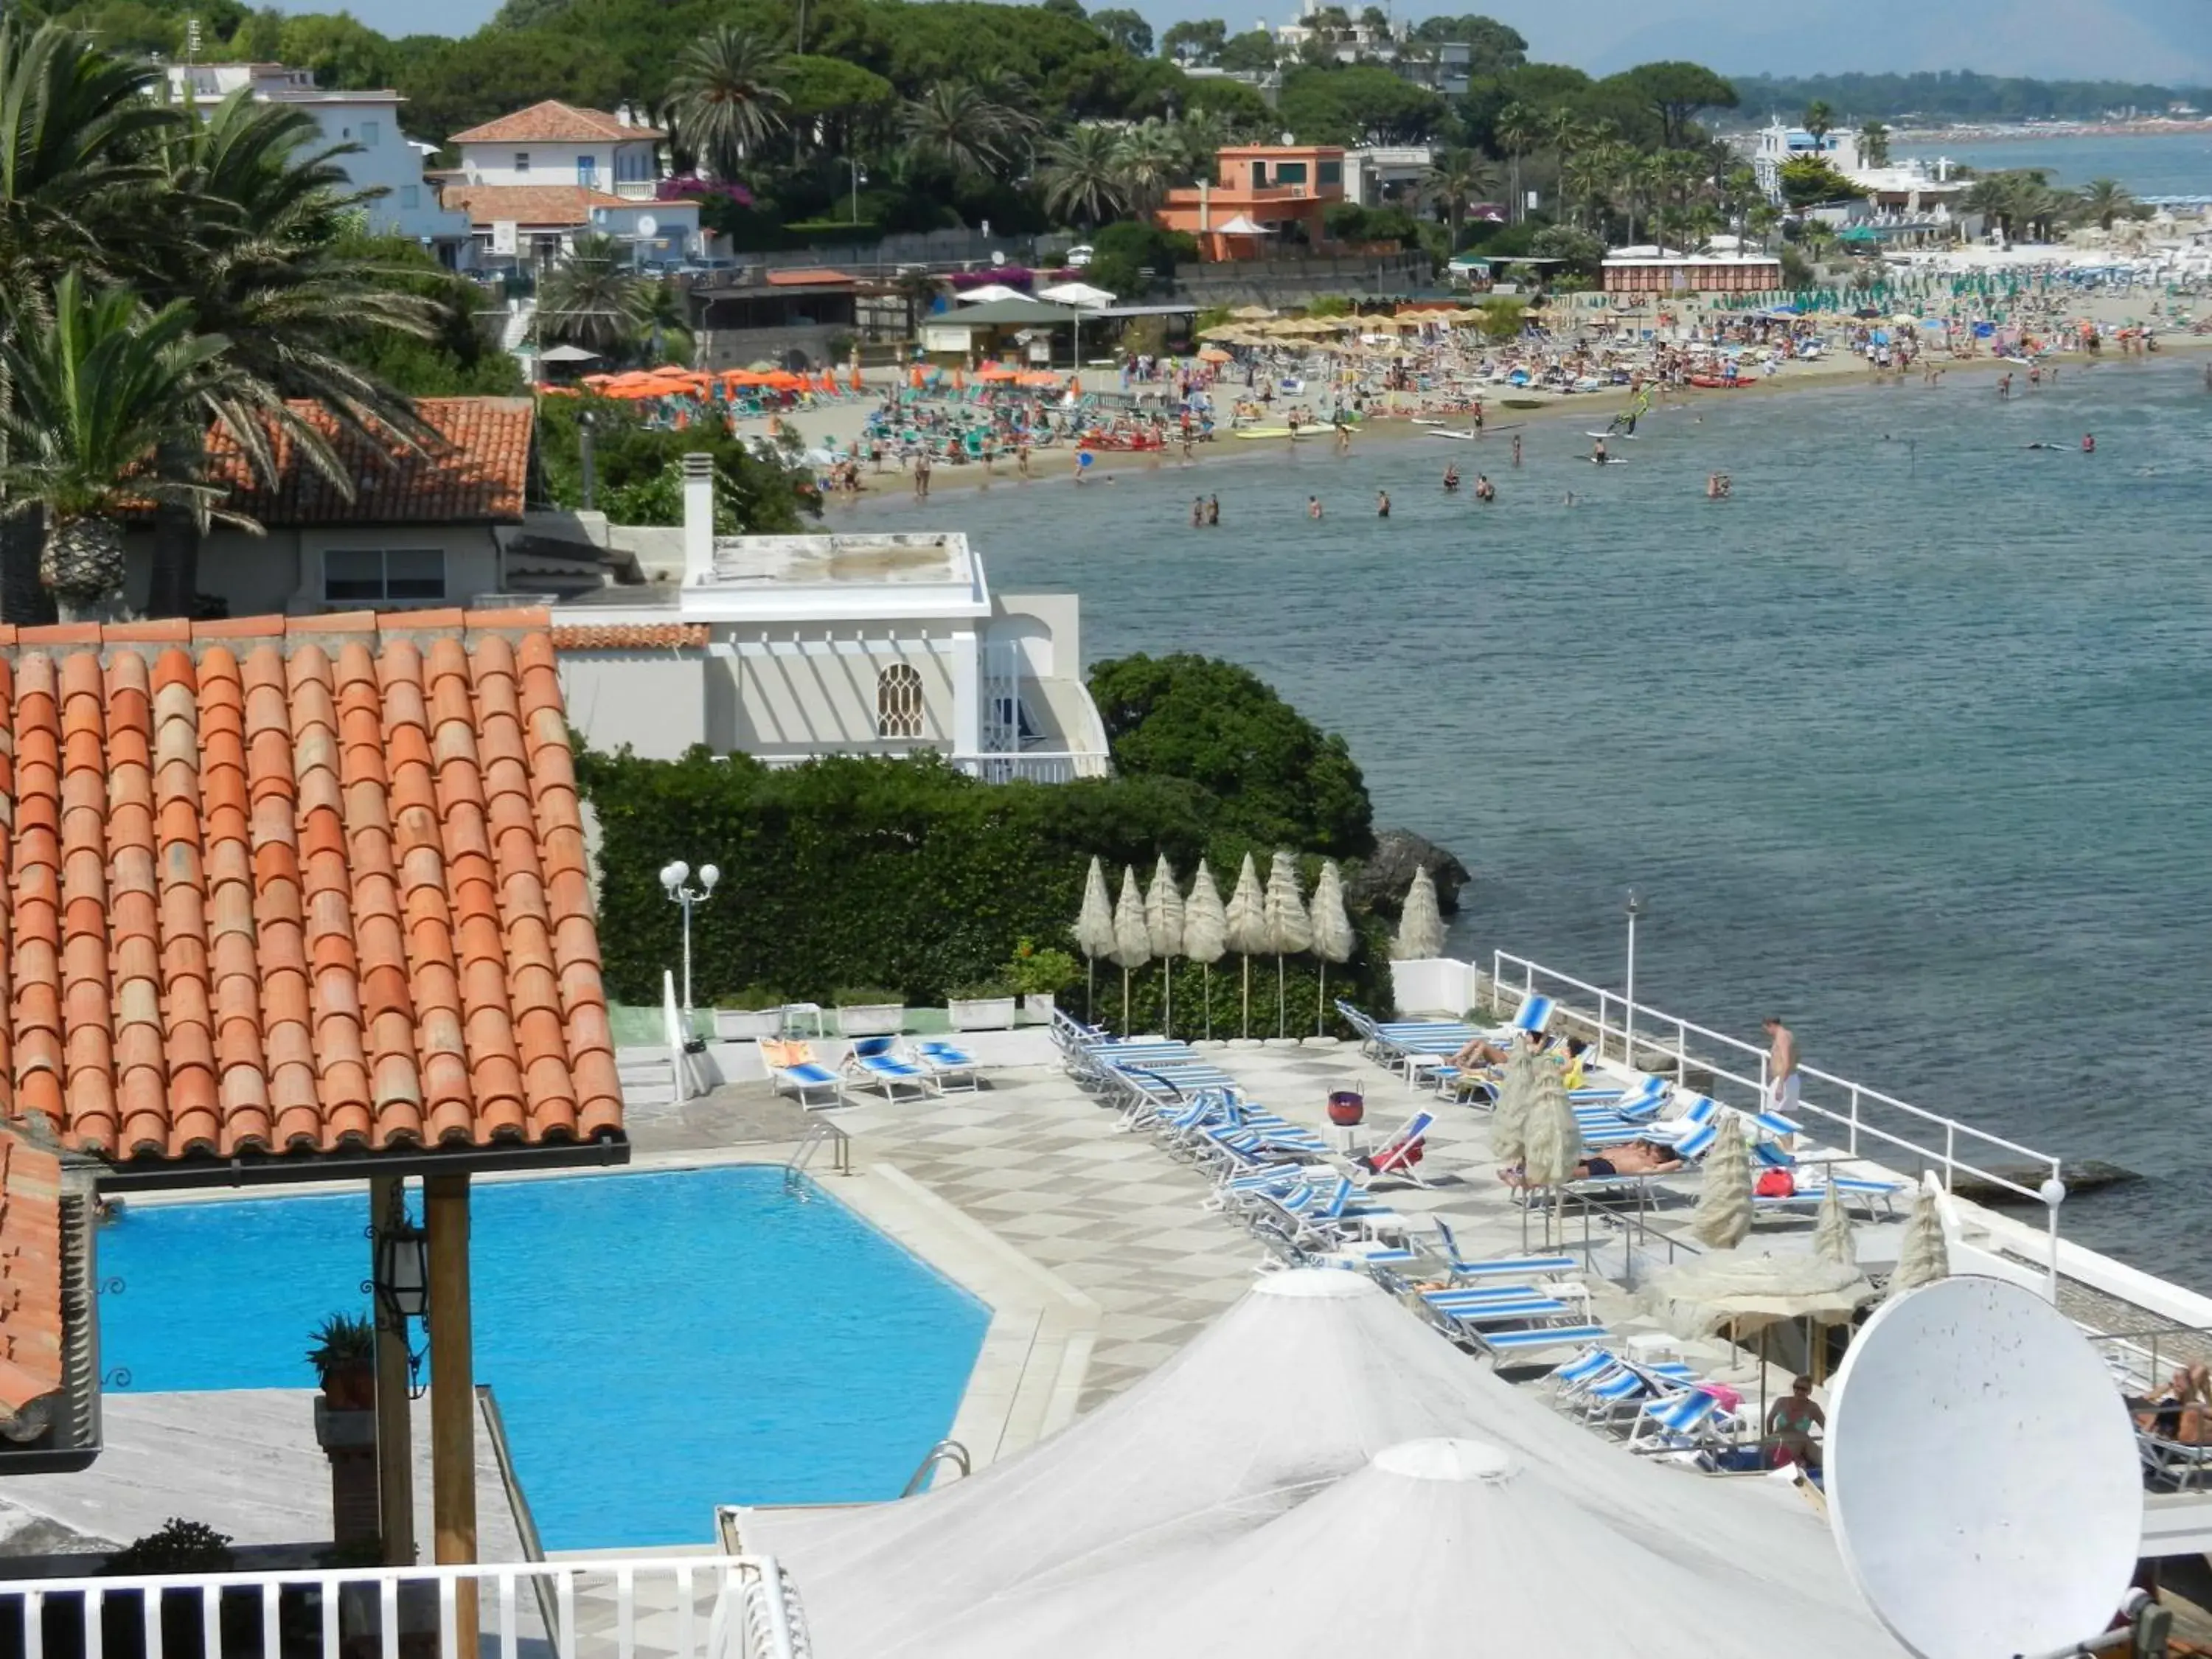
{"points": [[1260, 196], [1651, 270], [305, 899]]}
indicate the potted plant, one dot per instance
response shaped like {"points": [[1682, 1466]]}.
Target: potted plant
{"points": [[1039, 975], [344, 1358], [985, 1006], [755, 1013], [867, 1011]]}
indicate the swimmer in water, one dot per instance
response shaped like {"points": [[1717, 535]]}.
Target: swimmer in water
{"points": [[1484, 489], [1516, 436], [1597, 452], [1381, 503], [2088, 443], [1313, 507], [1451, 478]]}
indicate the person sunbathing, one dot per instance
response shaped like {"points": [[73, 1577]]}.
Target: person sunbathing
{"points": [[2183, 1414], [1637, 1158]]}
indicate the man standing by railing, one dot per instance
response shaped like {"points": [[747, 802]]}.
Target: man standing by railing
{"points": [[1782, 1083]]}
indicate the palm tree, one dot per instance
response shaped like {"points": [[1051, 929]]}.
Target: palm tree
{"points": [[956, 127], [726, 97], [2105, 200], [73, 191], [592, 298], [1081, 179], [263, 268], [1151, 157], [98, 385], [1517, 129], [1873, 145], [1456, 179], [1819, 121]]}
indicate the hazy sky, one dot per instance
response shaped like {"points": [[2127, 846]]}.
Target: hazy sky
{"points": [[2159, 41]]}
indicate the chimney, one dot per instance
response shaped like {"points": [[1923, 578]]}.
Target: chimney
{"points": [[698, 520]]}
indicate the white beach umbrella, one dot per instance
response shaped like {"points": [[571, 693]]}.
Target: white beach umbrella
{"points": [[1290, 929], [1552, 1138], [1745, 1290], [1332, 938], [1723, 1212], [1508, 1125], [1163, 928], [1247, 927], [1832, 1233], [1204, 934], [1924, 1256], [1420, 926], [1132, 946], [1094, 933]]}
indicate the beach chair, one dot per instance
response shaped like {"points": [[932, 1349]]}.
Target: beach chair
{"points": [[1501, 1343], [875, 1065], [946, 1061], [1687, 1421], [1504, 1266], [2171, 1466], [797, 1072], [1401, 1154], [1813, 1181]]}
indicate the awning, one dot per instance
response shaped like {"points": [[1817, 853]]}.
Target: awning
{"points": [[1015, 313], [1240, 225]]}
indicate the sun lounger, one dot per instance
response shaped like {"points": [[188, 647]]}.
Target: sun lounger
{"points": [[946, 1062], [1685, 1421], [1401, 1154], [1514, 1266], [875, 1065], [1814, 1180], [2172, 1466], [795, 1072], [1542, 1336]]}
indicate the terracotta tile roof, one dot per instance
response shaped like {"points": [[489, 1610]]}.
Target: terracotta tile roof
{"points": [[553, 122], [296, 884], [806, 275], [475, 476], [627, 636], [532, 204], [30, 1277]]}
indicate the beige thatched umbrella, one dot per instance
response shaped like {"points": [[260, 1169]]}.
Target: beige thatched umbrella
{"points": [[1247, 927], [1094, 934], [1253, 314], [1290, 930], [1163, 928], [1332, 938], [1832, 1233], [1924, 1256], [1420, 926], [1552, 1138], [1205, 934], [1723, 1218], [1508, 1124], [1132, 946]]}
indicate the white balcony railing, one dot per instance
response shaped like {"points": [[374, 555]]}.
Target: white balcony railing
{"points": [[703, 1606], [1033, 766]]}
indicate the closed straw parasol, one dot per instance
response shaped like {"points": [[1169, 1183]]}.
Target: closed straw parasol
{"points": [[1204, 934], [1924, 1256], [1552, 1138], [1332, 938], [1290, 930], [1094, 933], [1832, 1233], [1132, 946], [1163, 926], [1723, 1214], [1420, 926], [1508, 1125], [1247, 927]]}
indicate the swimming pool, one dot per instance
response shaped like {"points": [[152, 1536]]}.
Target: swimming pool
{"points": [[659, 1343]]}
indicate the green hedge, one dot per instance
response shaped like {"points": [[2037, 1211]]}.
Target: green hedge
{"points": [[899, 872]]}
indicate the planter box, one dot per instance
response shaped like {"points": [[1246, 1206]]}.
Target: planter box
{"points": [[1037, 1004], [744, 1024], [981, 1013], [871, 1019]]}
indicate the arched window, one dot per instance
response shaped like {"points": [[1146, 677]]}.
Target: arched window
{"points": [[898, 701]]}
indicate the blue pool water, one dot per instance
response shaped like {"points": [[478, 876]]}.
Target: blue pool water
{"points": [[659, 1343]]}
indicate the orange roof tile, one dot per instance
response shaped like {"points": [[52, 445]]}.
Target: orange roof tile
{"points": [[31, 1356], [539, 204], [474, 472], [552, 122], [627, 636], [300, 885], [807, 276]]}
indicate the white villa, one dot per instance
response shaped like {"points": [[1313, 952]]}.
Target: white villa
{"points": [[385, 158], [533, 181], [787, 648]]}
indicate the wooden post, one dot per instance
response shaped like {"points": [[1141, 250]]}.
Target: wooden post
{"points": [[395, 1440], [452, 1392]]}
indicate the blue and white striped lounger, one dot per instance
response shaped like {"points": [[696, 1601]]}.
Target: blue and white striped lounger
{"points": [[884, 1071], [946, 1061], [1690, 1418], [1543, 1336], [1534, 1016], [806, 1078]]}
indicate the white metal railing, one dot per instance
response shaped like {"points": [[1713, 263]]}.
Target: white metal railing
{"points": [[1033, 766], [1863, 1115], [702, 1606]]}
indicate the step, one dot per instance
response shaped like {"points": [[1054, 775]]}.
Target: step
{"points": [[662, 1094]]}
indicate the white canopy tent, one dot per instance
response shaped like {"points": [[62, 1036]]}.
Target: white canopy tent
{"points": [[1076, 294], [1299, 1384], [987, 294]]}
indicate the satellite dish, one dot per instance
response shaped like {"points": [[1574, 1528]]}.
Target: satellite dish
{"points": [[647, 225], [1981, 1474]]}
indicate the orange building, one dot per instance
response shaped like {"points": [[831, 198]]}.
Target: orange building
{"points": [[1262, 195]]}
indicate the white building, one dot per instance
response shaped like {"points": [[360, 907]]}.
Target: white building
{"points": [[1775, 143], [387, 161], [787, 648], [533, 181]]}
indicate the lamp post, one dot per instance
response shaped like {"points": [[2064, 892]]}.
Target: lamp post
{"points": [[860, 178], [673, 878], [2053, 1194], [1628, 1021]]}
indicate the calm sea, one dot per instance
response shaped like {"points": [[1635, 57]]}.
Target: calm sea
{"points": [[1911, 740], [2161, 164]]}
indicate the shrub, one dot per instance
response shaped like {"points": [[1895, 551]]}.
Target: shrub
{"points": [[753, 1000], [865, 996], [1042, 973], [178, 1545]]}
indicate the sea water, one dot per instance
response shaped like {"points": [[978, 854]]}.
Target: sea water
{"points": [[1907, 741], [2148, 163]]}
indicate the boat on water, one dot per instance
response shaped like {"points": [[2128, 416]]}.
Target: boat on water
{"points": [[1609, 436], [1718, 383], [1263, 432]]}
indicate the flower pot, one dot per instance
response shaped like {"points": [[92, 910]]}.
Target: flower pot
{"points": [[350, 1387], [981, 1013], [871, 1019], [1347, 1109], [747, 1024], [1038, 1005]]}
